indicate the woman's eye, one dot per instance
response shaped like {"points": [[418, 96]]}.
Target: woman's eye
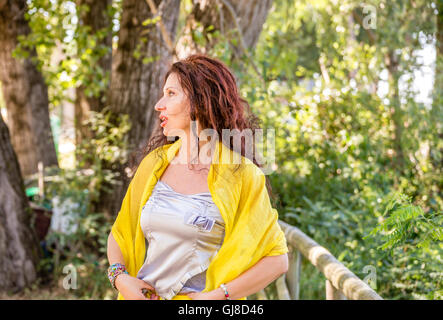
{"points": [[169, 93]]}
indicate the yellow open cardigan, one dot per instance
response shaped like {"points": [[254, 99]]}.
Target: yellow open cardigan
{"points": [[251, 227]]}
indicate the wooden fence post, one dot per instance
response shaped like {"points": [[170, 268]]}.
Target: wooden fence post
{"points": [[294, 272], [261, 295], [282, 290], [41, 180], [332, 293]]}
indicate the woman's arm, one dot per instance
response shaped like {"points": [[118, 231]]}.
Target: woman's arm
{"points": [[114, 253], [251, 281]]}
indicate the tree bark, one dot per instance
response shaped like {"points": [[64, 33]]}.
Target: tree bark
{"points": [[18, 241], [135, 86], [25, 93], [137, 80], [222, 15], [97, 19]]}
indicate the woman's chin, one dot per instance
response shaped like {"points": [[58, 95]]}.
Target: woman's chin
{"points": [[165, 129]]}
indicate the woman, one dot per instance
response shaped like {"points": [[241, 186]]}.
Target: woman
{"points": [[193, 224]]}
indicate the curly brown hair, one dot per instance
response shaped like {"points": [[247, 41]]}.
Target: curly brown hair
{"points": [[215, 102]]}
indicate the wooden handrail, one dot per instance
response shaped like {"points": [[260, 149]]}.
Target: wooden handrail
{"points": [[341, 283]]}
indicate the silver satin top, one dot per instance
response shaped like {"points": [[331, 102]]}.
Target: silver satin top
{"points": [[183, 232]]}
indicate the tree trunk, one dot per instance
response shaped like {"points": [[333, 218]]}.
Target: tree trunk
{"points": [[136, 86], [222, 15], [97, 19], [136, 82], [392, 65], [25, 93], [18, 242]]}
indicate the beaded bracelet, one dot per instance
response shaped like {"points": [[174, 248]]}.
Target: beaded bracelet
{"points": [[226, 291], [114, 270]]}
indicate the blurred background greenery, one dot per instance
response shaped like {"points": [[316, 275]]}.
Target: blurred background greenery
{"points": [[353, 90]]}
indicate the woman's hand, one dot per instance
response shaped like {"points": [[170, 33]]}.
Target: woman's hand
{"points": [[131, 288]]}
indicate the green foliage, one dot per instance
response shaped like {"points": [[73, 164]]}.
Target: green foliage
{"points": [[403, 222], [403, 228], [67, 51], [109, 140]]}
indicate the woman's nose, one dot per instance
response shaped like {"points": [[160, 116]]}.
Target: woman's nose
{"points": [[159, 106]]}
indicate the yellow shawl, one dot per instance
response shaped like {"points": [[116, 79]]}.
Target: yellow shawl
{"points": [[251, 227]]}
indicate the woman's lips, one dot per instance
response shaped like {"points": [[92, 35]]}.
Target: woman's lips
{"points": [[164, 120]]}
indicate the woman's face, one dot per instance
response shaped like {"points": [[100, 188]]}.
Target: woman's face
{"points": [[174, 108]]}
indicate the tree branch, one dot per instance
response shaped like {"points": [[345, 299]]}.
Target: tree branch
{"points": [[163, 30]]}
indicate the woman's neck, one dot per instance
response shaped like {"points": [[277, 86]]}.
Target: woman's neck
{"points": [[190, 153]]}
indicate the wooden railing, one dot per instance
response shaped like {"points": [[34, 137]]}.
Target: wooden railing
{"points": [[341, 283]]}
